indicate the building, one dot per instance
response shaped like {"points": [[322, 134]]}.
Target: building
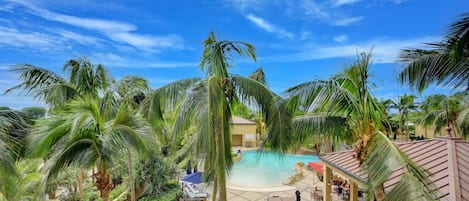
{"points": [[444, 159], [243, 132]]}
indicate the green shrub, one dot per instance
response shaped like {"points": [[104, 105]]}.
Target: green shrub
{"points": [[171, 195]]}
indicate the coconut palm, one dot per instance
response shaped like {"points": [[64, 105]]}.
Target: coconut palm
{"points": [[445, 63], [349, 95], [84, 79], [207, 109], [85, 134], [457, 106]]}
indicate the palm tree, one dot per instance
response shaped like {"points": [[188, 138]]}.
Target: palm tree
{"points": [[348, 95], [86, 134], [445, 63], [14, 126], [207, 108], [457, 116], [404, 105], [84, 79]]}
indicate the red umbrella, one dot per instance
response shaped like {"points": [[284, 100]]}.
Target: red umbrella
{"points": [[316, 166]]}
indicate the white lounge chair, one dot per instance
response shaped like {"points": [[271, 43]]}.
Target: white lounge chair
{"points": [[194, 192]]}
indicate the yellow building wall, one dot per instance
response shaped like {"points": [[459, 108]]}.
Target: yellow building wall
{"points": [[243, 129], [429, 132]]}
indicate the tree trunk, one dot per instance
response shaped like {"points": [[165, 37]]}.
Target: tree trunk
{"points": [[215, 190], [139, 191], [80, 184], [52, 195], [131, 176], [328, 145], [380, 193], [104, 184]]}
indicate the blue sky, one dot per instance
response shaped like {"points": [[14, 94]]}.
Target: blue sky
{"points": [[161, 40]]}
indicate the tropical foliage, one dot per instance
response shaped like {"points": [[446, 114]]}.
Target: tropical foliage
{"points": [[94, 121], [13, 128], [208, 104], [349, 96], [445, 63], [84, 80], [443, 111]]}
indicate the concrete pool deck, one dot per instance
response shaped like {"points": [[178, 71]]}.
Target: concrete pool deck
{"points": [[255, 193]]}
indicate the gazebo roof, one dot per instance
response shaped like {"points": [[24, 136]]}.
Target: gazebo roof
{"points": [[445, 159], [239, 120]]}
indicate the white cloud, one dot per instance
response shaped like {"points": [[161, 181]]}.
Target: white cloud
{"points": [[398, 1], [383, 51], [82, 39], [15, 38], [7, 8], [173, 64], [338, 3], [347, 21], [89, 23], [148, 42], [341, 38], [245, 4], [5, 66], [121, 32], [112, 60], [268, 26], [311, 8]]}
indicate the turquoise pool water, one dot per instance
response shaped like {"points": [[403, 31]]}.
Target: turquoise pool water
{"points": [[266, 169]]}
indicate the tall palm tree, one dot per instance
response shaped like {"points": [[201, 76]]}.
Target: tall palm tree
{"points": [[348, 95], [207, 108], [86, 134], [445, 63]]}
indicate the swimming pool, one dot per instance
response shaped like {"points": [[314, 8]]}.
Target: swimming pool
{"points": [[266, 169]]}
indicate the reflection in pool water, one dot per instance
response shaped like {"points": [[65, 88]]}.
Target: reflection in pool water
{"points": [[266, 169]]}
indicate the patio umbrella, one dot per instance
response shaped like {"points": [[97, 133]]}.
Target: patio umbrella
{"points": [[195, 178], [316, 166]]}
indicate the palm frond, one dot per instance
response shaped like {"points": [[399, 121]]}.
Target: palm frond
{"points": [[131, 131], [259, 76], [273, 108], [309, 125], [43, 84], [445, 64], [215, 55], [386, 159]]}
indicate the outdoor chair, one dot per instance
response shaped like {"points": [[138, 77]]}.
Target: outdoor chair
{"points": [[192, 193], [317, 194]]}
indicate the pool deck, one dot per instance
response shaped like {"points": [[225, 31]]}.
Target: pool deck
{"points": [[250, 193], [256, 193]]}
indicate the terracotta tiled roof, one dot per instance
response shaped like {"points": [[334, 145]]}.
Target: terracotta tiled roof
{"points": [[445, 159], [239, 120]]}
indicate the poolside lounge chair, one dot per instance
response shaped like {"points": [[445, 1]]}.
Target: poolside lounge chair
{"points": [[192, 192]]}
